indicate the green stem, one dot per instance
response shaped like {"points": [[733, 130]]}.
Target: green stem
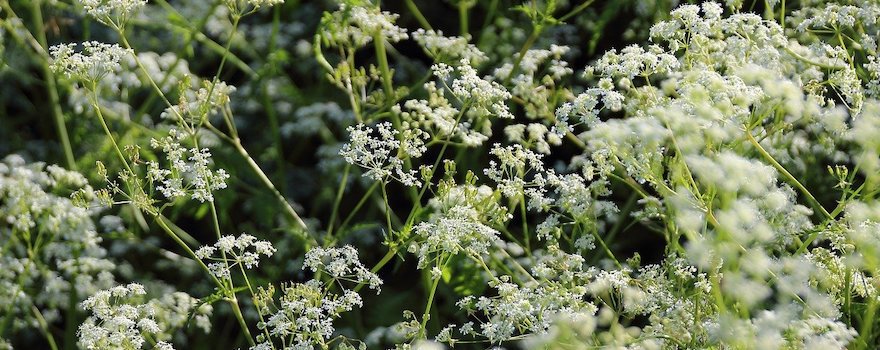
{"points": [[427, 314], [382, 58], [536, 32], [268, 183], [788, 176], [338, 200], [867, 324], [576, 10], [782, 15], [160, 219], [418, 14], [238, 316], [525, 223], [51, 86], [44, 327], [387, 209], [107, 130], [382, 262], [463, 7], [358, 206], [150, 78]]}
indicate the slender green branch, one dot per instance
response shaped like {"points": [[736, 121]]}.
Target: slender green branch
{"points": [[418, 15], [788, 176], [338, 200], [427, 314], [268, 183], [382, 58], [536, 32], [576, 10], [51, 86]]}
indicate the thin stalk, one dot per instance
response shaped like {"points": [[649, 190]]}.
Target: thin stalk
{"points": [[463, 8], [107, 130], [44, 327], [387, 209], [576, 10], [382, 262], [525, 223], [268, 183], [867, 324], [536, 32], [236, 310], [782, 14], [149, 78], [338, 200], [160, 219], [358, 206], [247, 282], [51, 86], [418, 14], [789, 177], [427, 314], [382, 58]]}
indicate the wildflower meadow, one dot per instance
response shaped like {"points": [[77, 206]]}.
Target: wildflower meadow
{"points": [[439, 174]]}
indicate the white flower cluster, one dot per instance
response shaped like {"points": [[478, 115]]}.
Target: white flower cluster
{"points": [[113, 13], [175, 309], [834, 16], [266, 3], [456, 230], [186, 176], [634, 61], [231, 251], [196, 105], [341, 264], [538, 80], [383, 156], [118, 320], [439, 118], [93, 64], [51, 247], [585, 107], [451, 50], [516, 309], [304, 313], [483, 97], [514, 169], [533, 135], [356, 26]]}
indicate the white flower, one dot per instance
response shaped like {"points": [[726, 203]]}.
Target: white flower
{"points": [[230, 251], [186, 175], [383, 156], [112, 13], [94, 63], [341, 264]]}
